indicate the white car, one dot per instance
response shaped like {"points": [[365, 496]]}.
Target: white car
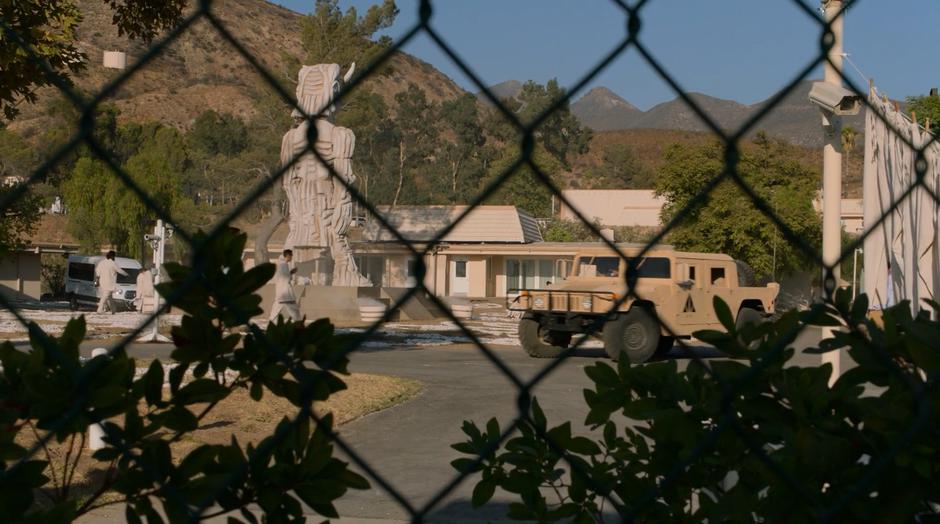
{"points": [[80, 281]]}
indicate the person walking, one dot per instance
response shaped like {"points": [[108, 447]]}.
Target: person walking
{"points": [[106, 273], [285, 302], [146, 299]]}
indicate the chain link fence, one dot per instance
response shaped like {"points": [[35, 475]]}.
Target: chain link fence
{"points": [[632, 39]]}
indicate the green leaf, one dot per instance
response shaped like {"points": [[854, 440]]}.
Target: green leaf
{"points": [[465, 465], [538, 416], [130, 515], [602, 375], [724, 314], [256, 391], [153, 383], [199, 391], [179, 418], [483, 492], [355, 481]]}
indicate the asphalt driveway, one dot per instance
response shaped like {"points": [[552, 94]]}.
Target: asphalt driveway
{"points": [[408, 446]]}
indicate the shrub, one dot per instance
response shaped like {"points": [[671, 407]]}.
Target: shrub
{"points": [[51, 394], [732, 441]]}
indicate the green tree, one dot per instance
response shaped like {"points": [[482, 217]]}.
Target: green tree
{"points": [[90, 193], [620, 168], [417, 140], [561, 133], [727, 221], [461, 118], [927, 109], [19, 218], [48, 29], [562, 230], [219, 134], [104, 211], [367, 114], [17, 158], [330, 36], [523, 189]]}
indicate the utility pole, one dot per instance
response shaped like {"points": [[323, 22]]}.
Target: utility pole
{"points": [[157, 241], [832, 170]]}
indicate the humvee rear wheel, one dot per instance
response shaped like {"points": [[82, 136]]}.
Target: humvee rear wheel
{"points": [[634, 334], [540, 342]]}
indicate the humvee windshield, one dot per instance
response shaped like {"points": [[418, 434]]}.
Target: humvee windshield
{"points": [[648, 267]]}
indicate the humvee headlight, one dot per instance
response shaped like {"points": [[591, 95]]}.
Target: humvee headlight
{"points": [[587, 304], [539, 302]]}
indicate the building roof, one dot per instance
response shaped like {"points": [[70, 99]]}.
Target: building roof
{"points": [[483, 224]]}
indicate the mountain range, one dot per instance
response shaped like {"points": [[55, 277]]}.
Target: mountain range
{"points": [[794, 118], [200, 70]]}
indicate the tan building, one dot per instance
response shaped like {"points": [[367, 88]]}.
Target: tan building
{"points": [[20, 274], [492, 252], [614, 207], [853, 214], [21, 271]]}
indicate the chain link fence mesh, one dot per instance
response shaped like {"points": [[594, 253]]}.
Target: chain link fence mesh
{"points": [[632, 39]]}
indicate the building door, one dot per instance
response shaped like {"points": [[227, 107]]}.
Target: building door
{"points": [[459, 279]]}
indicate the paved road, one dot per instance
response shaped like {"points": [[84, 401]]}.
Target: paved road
{"points": [[409, 445]]}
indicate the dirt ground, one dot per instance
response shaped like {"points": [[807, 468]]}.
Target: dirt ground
{"points": [[238, 416]]}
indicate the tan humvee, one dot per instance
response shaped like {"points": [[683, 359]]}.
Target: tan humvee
{"points": [[673, 290]]}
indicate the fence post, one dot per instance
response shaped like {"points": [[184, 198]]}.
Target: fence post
{"points": [[95, 431]]}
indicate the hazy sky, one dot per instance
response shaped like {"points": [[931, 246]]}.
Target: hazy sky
{"points": [[743, 50]]}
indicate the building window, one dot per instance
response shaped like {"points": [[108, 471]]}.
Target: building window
{"points": [[513, 270], [460, 268], [528, 273], [373, 268]]}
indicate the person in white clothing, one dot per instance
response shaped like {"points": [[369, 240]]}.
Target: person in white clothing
{"points": [[285, 302], [146, 299], [106, 273]]}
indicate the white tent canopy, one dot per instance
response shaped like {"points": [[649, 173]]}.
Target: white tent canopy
{"points": [[908, 236]]}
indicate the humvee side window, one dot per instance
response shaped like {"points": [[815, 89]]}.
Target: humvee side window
{"points": [[652, 267], [718, 276], [599, 267], [607, 266]]}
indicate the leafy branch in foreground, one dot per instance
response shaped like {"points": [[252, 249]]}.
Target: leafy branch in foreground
{"points": [[49, 396], [761, 440]]}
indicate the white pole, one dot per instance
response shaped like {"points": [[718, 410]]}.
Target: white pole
{"points": [[95, 431], [854, 273], [159, 250], [832, 173]]}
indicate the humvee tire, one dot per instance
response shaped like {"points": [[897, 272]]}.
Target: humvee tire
{"points": [[634, 334], [541, 343], [748, 315]]}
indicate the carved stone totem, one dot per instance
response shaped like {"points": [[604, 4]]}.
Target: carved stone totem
{"points": [[319, 206]]}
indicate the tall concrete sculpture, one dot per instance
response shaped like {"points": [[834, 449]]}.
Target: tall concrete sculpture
{"points": [[320, 207]]}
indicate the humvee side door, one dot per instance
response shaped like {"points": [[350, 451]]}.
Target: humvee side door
{"points": [[692, 306]]}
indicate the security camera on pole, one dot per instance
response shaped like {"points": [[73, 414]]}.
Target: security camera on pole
{"points": [[157, 241], [834, 101]]}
